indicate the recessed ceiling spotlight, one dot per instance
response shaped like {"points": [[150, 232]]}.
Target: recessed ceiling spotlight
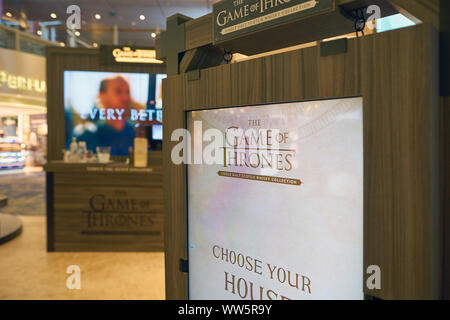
{"points": [[53, 15], [39, 32], [9, 14], [153, 35], [95, 44], [142, 17], [77, 33], [98, 16]]}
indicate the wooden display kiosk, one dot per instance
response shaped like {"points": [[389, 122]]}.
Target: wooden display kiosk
{"points": [[92, 206], [395, 73]]}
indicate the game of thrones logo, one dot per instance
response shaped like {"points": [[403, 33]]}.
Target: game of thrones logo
{"points": [[237, 17], [260, 148], [118, 212]]}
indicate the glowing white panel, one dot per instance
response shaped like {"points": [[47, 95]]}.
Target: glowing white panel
{"points": [[287, 223]]}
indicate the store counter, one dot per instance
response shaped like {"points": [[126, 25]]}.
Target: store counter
{"points": [[104, 207]]}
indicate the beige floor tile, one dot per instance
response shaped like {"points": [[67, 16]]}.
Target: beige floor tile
{"points": [[27, 271]]}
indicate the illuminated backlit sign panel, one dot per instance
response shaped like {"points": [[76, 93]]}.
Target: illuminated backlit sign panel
{"points": [[19, 82], [111, 54], [22, 74], [282, 216]]}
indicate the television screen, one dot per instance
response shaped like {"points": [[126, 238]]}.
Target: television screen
{"points": [[111, 109], [279, 213]]}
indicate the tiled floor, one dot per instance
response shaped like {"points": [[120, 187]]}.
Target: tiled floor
{"points": [[25, 190], [27, 271]]}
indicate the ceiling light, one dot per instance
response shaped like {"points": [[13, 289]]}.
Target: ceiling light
{"points": [[77, 33], [95, 44], [98, 16], [142, 17], [53, 15], [39, 32], [153, 35], [9, 14]]}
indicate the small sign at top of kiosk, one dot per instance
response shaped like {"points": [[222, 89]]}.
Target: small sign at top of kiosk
{"points": [[234, 18], [126, 54]]}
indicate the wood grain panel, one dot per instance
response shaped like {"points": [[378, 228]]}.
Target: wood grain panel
{"points": [[195, 32], [213, 80], [106, 212], [332, 76], [175, 229], [398, 83], [97, 180], [399, 87]]}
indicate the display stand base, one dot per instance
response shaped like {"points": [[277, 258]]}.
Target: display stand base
{"points": [[10, 227]]}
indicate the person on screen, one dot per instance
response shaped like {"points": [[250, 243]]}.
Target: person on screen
{"points": [[116, 131]]}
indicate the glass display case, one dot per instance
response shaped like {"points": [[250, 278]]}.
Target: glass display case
{"points": [[12, 155]]}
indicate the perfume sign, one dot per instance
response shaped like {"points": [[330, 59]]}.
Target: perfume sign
{"points": [[233, 18]]}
